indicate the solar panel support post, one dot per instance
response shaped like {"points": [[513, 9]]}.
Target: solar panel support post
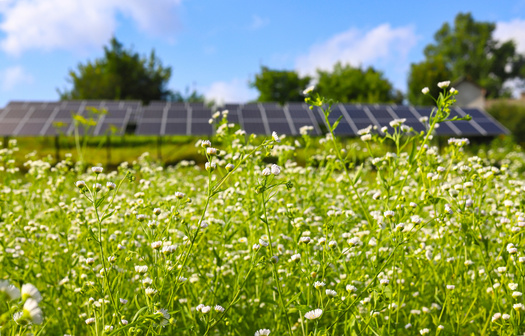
{"points": [[57, 148], [6, 140]]}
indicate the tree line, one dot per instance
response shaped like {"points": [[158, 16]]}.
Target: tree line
{"points": [[467, 49]]}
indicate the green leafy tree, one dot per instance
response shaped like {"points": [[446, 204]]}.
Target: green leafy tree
{"points": [[279, 85], [347, 84], [467, 50], [121, 74], [426, 74]]}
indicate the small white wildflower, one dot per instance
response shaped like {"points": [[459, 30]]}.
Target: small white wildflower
{"points": [[443, 84], [314, 314], [425, 90]]}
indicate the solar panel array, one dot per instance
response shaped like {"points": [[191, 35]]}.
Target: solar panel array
{"points": [[169, 118], [52, 118]]}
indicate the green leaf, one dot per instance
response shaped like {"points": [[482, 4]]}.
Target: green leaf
{"points": [[336, 123]]}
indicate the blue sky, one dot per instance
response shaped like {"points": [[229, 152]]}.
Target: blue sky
{"points": [[217, 47]]}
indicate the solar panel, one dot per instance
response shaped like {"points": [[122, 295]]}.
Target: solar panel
{"points": [[148, 128], [355, 113], [41, 118], [254, 127], [201, 128], [280, 126], [275, 113], [201, 113], [7, 127], [31, 128], [176, 127]]}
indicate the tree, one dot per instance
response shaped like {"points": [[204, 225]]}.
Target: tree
{"points": [[279, 85], [121, 74], [347, 84], [467, 50], [426, 74]]}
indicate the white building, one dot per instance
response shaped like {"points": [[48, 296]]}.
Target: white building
{"points": [[469, 94]]}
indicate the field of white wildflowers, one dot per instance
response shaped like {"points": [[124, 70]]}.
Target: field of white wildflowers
{"points": [[422, 240]]}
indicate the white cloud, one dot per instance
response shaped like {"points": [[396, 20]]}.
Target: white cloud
{"points": [[258, 22], [234, 91], [14, 76], [78, 24], [512, 30], [382, 46]]}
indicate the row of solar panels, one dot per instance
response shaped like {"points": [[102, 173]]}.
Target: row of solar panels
{"points": [[167, 118]]}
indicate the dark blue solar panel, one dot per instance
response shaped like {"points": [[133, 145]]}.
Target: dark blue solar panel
{"points": [[444, 129], [362, 123], [201, 113], [116, 113], [148, 128], [275, 113], [343, 128], [355, 113], [335, 113], [403, 112], [416, 125], [491, 128], [201, 128], [177, 112], [298, 123], [176, 127], [251, 112], [466, 128], [31, 128], [298, 112], [42, 114], [280, 126], [474, 113], [153, 113], [381, 113], [16, 113], [254, 127]]}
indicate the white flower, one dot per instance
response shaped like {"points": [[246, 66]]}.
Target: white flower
{"points": [[9, 289], [262, 332], [111, 185], [397, 122], [505, 316], [516, 294], [305, 92], [219, 309], [263, 242], [453, 91], [319, 284], [275, 169], [32, 311], [366, 137], [314, 314], [90, 320], [275, 137], [424, 331], [266, 172], [444, 84], [151, 291], [205, 309], [97, 170], [211, 151], [80, 184], [331, 292], [513, 286], [296, 257], [496, 317], [141, 269], [165, 316], [351, 288], [30, 291], [425, 90], [364, 131], [450, 287], [205, 143], [518, 306], [210, 166], [179, 195], [108, 328], [123, 301]]}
